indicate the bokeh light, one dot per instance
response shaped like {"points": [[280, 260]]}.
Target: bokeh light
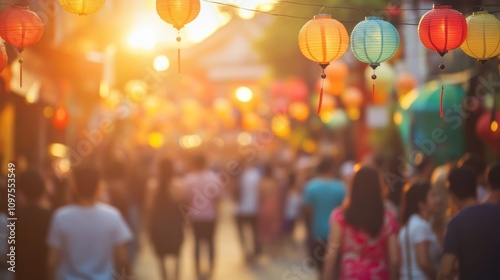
{"points": [[244, 94], [494, 126], [161, 63], [244, 139], [156, 140]]}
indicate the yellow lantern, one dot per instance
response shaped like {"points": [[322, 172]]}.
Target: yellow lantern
{"points": [[323, 40], [483, 36], [178, 13], [82, 7]]}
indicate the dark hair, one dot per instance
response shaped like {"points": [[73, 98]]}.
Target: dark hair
{"points": [[31, 185], [412, 195], [474, 162], [462, 183], [494, 176], [86, 181], [326, 166], [365, 208]]}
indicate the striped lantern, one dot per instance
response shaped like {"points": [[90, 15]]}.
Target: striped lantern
{"points": [[323, 40], [483, 36], [374, 41]]}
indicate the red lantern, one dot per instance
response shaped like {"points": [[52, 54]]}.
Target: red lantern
{"points": [[21, 28], [487, 129], [3, 56], [442, 29], [296, 89], [60, 119]]}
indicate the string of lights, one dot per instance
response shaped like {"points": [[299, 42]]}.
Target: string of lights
{"points": [[327, 7]]}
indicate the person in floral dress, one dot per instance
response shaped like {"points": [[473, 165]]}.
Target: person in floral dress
{"points": [[363, 233]]}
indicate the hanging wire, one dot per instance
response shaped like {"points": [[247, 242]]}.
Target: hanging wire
{"points": [[293, 16]]}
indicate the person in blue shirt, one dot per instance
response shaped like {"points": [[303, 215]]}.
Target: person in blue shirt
{"points": [[321, 195]]}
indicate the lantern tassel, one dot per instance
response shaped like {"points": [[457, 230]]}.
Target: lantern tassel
{"points": [[493, 110], [441, 109], [373, 94], [320, 97]]}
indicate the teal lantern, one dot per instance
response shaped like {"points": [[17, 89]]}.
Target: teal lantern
{"points": [[373, 41]]}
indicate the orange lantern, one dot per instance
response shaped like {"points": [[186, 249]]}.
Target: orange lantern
{"points": [[82, 7], [337, 71], [178, 13], [21, 28], [323, 40], [3, 56], [352, 98], [299, 110], [405, 82]]}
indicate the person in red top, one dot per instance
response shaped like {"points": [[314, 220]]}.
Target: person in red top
{"points": [[364, 233]]}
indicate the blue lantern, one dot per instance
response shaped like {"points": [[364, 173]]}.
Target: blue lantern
{"points": [[373, 41]]}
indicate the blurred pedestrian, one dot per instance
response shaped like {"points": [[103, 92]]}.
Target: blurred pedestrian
{"points": [[477, 164], [270, 210], [248, 207], [493, 185], [420, 250], [473, 235], [166, 225], [363, 233], [291, 213], [205, 190], [33, 217], [87, 239], [321, 195]]}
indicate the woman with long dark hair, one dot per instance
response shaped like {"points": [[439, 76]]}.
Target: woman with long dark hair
{"points": [[166, 230], [419, 244], [364, 232]]}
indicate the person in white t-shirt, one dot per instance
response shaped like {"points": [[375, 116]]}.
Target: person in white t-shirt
{"points": [[87, 240], [419, 245], [248, 207]]}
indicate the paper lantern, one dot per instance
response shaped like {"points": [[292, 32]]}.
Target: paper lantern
{"points": [[337, 71], [374, 41], [323, 40], [178, 13], [3, 56], [483, 36], [487, 129], [299, 110], [82, 7], [296, 89], [405, 82], [442, 29], [21, 28], [352, 98]]}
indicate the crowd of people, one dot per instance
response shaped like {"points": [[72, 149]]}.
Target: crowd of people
{"points": [[440, 223]]}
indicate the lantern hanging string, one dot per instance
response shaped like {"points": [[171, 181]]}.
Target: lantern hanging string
{"points": [[441, 94], [21, 67], [179, 39], [493, 111]]}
